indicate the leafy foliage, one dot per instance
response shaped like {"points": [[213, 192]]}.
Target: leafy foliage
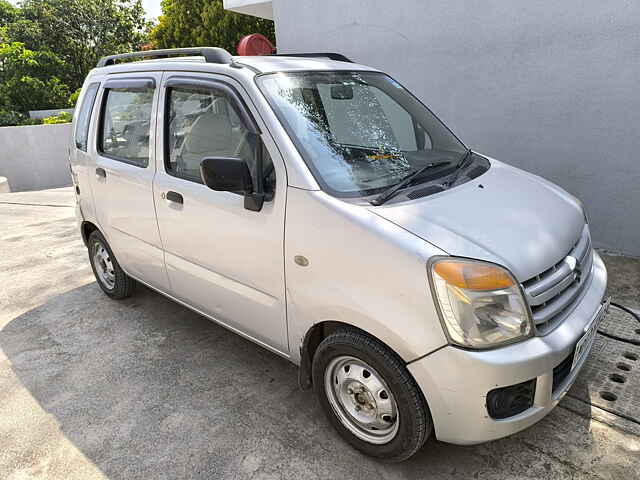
{"points": [[73, 99], [10, 117], [47, 47], [62, 117], [82, 31], [28, 81], [188, 23], [8, 13]]}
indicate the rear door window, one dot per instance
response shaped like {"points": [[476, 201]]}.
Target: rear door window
{"points": [[126, 124], [83, 118]]}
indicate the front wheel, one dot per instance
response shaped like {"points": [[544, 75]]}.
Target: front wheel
{"points": [[369, 396]]}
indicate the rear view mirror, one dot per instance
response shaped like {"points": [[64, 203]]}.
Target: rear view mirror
{"points": [[341, 92], [226, 175]]}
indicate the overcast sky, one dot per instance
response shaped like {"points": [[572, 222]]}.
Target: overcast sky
{"points": [[151, 6]]}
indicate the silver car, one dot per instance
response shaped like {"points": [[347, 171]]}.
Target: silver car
{"points": [[319, 209]]}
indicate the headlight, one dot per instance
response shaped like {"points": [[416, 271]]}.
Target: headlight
{"points": [[481, 305]]}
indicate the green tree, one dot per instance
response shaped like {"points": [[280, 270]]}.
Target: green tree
{"points": [[47, 47], [189, 23], [26, 31], [28, 79], [82, 31], [8, 13]]}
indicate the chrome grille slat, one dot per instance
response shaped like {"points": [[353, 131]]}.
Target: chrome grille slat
{"points": [[549, 281], [548, 311], [553, 293]]}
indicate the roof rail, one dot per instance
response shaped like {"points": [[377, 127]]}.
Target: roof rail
{"points": [[331, 56], [210, 54]]}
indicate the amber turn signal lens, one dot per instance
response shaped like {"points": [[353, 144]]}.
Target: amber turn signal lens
{"points": [[473, 276]]}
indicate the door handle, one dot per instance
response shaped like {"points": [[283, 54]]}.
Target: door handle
{"points": [[100, 172], [174, 197]]}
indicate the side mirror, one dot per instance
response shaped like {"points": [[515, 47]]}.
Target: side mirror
{"points": [[225, 174]]}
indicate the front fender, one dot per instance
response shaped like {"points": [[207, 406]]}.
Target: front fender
{"points": [[362, 271]]}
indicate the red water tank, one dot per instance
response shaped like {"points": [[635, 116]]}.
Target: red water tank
{"points": [[255, 44]]}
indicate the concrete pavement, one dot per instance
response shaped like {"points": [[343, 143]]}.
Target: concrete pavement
{"points": [[91, 388]]}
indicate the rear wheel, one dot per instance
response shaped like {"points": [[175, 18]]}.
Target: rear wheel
{"points": [[369, 396], [109, 275]]}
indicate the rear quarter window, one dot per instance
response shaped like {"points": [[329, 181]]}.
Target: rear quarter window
{"points": [[83, 117]]}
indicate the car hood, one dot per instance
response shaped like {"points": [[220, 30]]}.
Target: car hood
{"points": [[506, 216]]}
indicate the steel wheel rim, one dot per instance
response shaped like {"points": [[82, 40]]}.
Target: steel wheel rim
{"points": [[103, 265], [361, 400]]}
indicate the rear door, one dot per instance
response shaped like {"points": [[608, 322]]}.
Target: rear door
{"points": [[221, 258], [124, 171]]}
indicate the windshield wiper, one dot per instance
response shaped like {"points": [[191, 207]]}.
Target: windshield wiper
{"points": [[460, 166], [353, 145], [406, 181]]}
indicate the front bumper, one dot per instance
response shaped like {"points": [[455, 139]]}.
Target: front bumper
{"points": [[455, 382]]}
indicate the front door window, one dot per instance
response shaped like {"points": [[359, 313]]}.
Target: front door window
{"points": [[203, 123]]}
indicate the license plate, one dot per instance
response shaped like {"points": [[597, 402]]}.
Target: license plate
{"points": [[584, 344]]}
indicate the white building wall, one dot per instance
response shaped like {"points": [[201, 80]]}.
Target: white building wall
{"points": [[35, 157], [548, 86], [257, 8]]}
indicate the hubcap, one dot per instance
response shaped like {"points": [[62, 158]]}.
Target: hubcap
{"points": [[103, 265], [361, 400]]}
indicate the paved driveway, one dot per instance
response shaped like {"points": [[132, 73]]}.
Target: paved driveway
{"points": [[145, 389]]}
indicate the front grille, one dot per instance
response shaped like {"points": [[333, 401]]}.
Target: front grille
{"points": [[562, 371], [553, 293]]}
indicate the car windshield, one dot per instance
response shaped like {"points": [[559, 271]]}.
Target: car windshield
{"points": [[359, 132]]}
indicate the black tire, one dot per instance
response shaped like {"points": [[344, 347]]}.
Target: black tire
{"points": [[123, 284], [415, 424]]}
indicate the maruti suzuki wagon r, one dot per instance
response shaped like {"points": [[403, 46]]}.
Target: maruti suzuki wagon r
{"points": [[319, 209]]}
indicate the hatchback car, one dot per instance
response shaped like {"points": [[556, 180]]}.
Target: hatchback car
{"points": [[318, 208]]}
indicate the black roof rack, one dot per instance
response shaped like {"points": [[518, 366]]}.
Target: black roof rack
{"points": [[331, 56], [210, 54]]}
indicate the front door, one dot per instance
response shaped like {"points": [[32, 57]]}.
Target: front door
{"points": [[221, 258], [123, 178]]}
